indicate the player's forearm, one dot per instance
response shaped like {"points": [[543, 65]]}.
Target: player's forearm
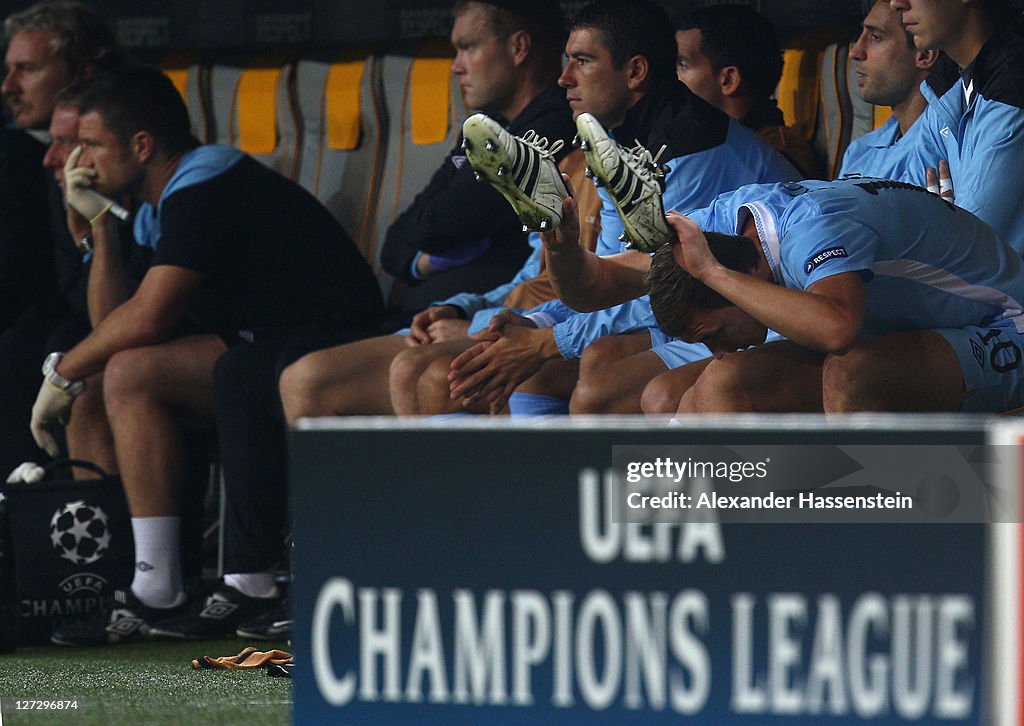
{"points": [[150, 316], [108, 284], [586, 282], [544, 344], [809, 318], [127, 326]]}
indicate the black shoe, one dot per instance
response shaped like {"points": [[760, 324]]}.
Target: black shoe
{"points": [[215, 616], [274, 624], [122, 619]]}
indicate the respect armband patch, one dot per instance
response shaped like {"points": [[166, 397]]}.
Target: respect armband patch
{"points": [[824, 256]]}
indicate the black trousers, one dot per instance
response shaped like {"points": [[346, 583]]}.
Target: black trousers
{"points": [[251, 436]]}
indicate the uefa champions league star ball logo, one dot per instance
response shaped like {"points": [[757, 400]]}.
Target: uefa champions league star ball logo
{"points": [[80, 532]]}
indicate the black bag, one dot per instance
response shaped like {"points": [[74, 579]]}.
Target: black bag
{"points": [[65, 545]]}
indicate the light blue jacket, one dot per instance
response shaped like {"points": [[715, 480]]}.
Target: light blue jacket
{"points": [[984, 146]]}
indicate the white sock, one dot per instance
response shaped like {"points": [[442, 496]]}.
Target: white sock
{"points": [[253, 584], [157, 582]]}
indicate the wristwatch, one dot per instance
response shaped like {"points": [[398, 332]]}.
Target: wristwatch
{"points": [[74, 388]]}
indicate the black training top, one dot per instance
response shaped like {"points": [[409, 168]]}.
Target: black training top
{"points": [[274, 259], [454, 209]]}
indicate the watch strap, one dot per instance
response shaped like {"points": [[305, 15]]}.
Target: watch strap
{"points": [[75, 388]]}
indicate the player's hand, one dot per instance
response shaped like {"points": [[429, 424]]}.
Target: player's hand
{"points": [[78, 225], [52, 406], [940, 181], [492, 369], [690, 246], [420, 328], [505, 318], [443, 330], [80, 195]]}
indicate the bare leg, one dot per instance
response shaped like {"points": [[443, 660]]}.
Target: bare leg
{"points": [[88, 433], [914, 371], [556, 378], [411, 365], [611, 348], [148, 392], [345, 380], [774, 377], [433, 392], [662, 395], [613, 373]]}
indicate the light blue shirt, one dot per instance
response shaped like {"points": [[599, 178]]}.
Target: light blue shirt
{"points": [[984, 146], [885, 154], [490, 303], [927, 263], [692, 181]]}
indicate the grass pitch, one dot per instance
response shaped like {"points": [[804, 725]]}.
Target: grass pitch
{"points": [[144, 683]]}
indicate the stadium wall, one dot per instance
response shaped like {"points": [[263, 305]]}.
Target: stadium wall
{"points": [[160, 25]]}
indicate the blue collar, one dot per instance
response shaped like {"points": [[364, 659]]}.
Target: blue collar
{"points": [[196, 166]]}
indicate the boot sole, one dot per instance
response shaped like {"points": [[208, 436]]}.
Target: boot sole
{"points": [[636, 241], [486, 162]]}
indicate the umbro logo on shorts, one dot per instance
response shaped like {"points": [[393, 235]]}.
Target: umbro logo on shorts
{"points": [[979, 353]]}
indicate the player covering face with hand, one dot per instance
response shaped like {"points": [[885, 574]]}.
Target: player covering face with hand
{"points": [[880, 311]]}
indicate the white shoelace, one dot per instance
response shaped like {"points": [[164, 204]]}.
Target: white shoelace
{"points": [[643, 162], [541, 143]]}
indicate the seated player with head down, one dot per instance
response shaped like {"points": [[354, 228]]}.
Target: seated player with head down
{"points": [[241, 256], [889, 72], [457, 235], [880, 311]]}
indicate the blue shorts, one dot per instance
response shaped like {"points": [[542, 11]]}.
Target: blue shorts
{"points": [[992, 362], [674, 353]]}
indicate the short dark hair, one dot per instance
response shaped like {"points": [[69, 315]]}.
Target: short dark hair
{"points": [[633, 27], [738, 35], [80, 37], [542, 19], [71, 95], [141, 98], [676, 295]]}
